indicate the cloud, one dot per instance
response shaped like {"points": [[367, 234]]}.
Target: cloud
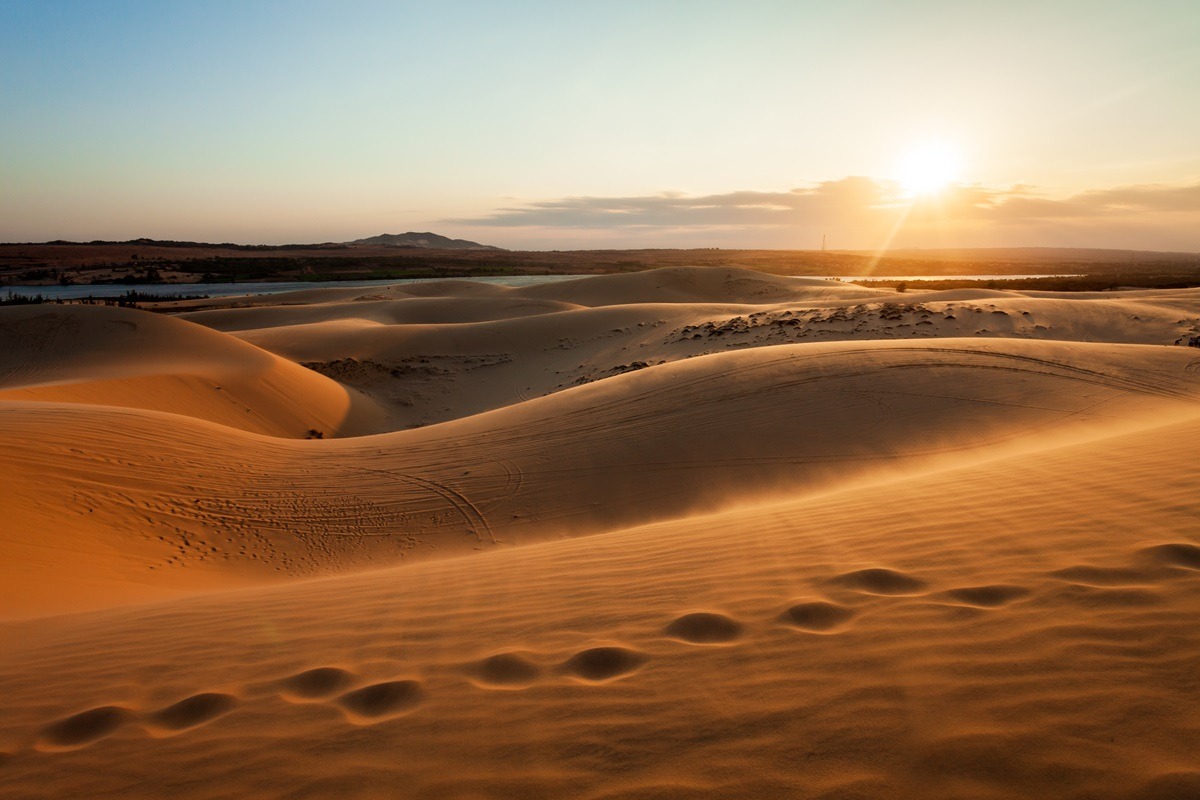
{"points": [[849, 201], [1154, 197], [672, 209]]}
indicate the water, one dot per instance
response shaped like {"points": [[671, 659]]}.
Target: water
{"points": [[277, 287]]}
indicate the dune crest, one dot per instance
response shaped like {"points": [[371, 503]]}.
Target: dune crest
{"points": [[108, 356], [682, 533]]}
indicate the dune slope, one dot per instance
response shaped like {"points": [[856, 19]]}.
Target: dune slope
{"points": [[675, 534], [145, 502], [448, 349], [1021, 628], [112, 356]]}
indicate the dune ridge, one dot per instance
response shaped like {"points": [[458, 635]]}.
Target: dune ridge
{"points": [[653, 444], [493, 350], [684, 533], [100, 355]]}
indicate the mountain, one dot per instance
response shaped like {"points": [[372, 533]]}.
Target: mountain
{"points": [[428, 240]]}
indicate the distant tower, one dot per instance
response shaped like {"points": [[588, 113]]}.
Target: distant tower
{"points": [[822, 243]]}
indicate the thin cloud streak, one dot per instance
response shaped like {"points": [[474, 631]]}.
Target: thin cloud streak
{"points": [[849, 200]]}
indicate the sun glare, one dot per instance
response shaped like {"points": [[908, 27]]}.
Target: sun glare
{"points": [[929, 169]]}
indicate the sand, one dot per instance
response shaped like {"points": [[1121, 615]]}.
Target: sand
{"points": [[674, 534]]}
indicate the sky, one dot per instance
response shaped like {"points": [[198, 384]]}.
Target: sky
{"points": [[613, 124]]}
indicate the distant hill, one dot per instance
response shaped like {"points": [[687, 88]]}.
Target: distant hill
{"points": [[431, 241]]}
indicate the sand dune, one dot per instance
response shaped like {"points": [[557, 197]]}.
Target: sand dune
{"points": [[690, 285], [431, 372], [412, 310], [653, 444], [118, 357], [675, 534], [1024, 628]]}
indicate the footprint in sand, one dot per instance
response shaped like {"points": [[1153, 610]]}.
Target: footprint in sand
{"points": [[816, 616], [1092, 596], [316, 684], [879, 580], [192, 712], [602, 664], [1176, 554], [1169, 786], [1102, 576], [381, 700], [992, 596], [705, 627], [1128, 586], [83, 728], [505, 671]]}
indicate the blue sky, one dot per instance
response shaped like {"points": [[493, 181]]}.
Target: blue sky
{"points": [[312, 121]]}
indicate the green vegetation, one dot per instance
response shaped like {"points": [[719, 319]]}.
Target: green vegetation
{"points": [[130, 299], [13, 299]]}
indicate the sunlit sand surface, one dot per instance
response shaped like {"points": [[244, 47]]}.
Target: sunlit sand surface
{"points": [[685, 533]]}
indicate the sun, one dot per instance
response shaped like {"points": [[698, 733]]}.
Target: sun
{"points": [[929, 168]]}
